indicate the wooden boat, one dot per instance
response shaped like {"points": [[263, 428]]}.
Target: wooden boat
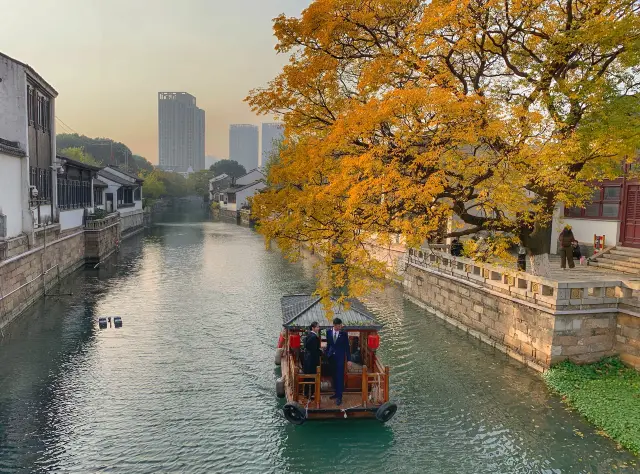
{"points": [[366, 382]]}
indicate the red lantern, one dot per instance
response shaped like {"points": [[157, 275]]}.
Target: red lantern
{"points": [[373, 341], [294, 341]]}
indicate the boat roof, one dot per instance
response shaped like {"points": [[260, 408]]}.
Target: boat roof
{"points": [[299, 311]]}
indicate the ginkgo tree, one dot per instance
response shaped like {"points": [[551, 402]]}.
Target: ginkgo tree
{"points": [[443, 119]]}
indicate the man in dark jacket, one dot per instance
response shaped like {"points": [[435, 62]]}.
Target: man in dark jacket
{"points": [[311, 355], [566, 240], [337, 351]]}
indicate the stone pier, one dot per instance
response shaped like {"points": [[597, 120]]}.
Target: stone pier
{"points": [[539, 321], [101, 238]]}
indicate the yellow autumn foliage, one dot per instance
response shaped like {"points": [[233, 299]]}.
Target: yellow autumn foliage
{"points": [[443, 118]]}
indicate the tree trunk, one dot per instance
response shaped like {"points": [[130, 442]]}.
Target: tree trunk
{"points": [[538, 245], [539, 264]]}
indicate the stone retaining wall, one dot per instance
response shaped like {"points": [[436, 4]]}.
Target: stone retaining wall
{"points": [[227, 215], [25, 278], [101, 242], [538, 321], [12, 247], [628, 339], [131, 222], [525, 331], [245, 217]]}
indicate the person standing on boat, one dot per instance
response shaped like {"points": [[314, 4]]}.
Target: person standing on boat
{"points": [[337, 351], [312, 354]]}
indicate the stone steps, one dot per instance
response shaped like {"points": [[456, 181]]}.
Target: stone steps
{"points": [[619, 259], [617, 268], [626, 251], [622, 258], [622, 263]]}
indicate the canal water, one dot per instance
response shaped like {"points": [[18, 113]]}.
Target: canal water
{"points": [[187, 385]]}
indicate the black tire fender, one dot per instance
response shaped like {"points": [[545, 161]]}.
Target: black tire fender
{"points": [[278, 357], [280, 388], [386, 411], [294, 413]]}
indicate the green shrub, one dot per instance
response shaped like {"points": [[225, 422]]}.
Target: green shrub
{"points": [[99, 213], [606, 393]]}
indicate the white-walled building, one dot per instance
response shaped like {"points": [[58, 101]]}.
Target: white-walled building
{"points": [[78, 191], [123, 192], [27, 150], [13, 200], [236, 198], [218, 184], [252, 176], [612, 212]]}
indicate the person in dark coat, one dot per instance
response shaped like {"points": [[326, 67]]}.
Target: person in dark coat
{"points": [[456, 248], [577, 253], [566, 240], [312, 354], [338, 351]]}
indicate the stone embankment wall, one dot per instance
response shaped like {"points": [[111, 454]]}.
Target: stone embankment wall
{"points": [[245, 217], [628, 339], [26, 277], [535, 320], [227, 215], [101, 238], [132, 222], [28, 271]]}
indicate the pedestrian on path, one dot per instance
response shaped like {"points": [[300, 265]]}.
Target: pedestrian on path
{"points": [[566, 240]]}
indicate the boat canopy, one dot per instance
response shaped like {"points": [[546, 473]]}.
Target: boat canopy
{"points": [[299, 311]]}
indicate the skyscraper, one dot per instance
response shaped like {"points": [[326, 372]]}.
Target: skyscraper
{"points": [[271, 134], [243, 145], [181, 130]]}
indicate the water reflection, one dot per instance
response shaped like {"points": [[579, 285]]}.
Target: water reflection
{"points": [[187, 385]]}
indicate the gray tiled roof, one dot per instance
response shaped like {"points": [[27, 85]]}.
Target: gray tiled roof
{"points": [[299, 311], [235, 189], [116, 179]]}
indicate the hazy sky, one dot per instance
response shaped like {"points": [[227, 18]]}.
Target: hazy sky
{"points": [[108, 59]]}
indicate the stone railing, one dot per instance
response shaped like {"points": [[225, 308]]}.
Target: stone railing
{"points": [[547, 293], [97, 224]]}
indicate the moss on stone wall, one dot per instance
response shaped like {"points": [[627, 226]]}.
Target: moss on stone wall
{"points": [[606, 393]]}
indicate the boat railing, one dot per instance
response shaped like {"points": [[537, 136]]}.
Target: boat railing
{"points": [[302, 380], [379, 383]]}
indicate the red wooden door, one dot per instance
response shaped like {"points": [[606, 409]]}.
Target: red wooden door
{"points": [[631, 221]]}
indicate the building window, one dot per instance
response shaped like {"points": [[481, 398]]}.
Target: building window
{"points": [[44, 109], [128, 196], [137, 195], [30, 109], [41, 179], [604, 204], [73, 194], [97, 196], [125, 197]]}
